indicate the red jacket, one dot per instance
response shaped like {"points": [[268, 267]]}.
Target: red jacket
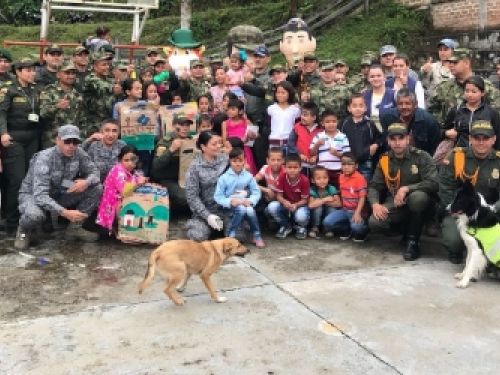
{"points": [[301, 138]]}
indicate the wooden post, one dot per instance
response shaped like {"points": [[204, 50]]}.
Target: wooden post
{"points": [[367, 5]]}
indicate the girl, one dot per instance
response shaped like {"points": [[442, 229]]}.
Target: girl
{"points": [[401, 66], [205, 105], [146, 75], [474, 107], [235, 75], [378, 98], [236, 126], [132, 88], [124, 172], [150, 95], [220, 117], [203, 123], [219, 89], [283, 115]]}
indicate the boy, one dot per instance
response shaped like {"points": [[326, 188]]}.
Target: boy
{"points": [[104, 152], [302, 135], [270, 172], [176, 98], [351, 219], [231, 194], [329, 145], [103, 36], [292, 193], [364, 137], [204, 123], [323, 200]]}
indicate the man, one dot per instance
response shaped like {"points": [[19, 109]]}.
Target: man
{"points": [[151, 56], [341, 67], [450, 93], [192, 87], [423, 128], [47, 74], [255, 106], [433, 73], [387, 54], [59, 178], [359, 82], [5, 61], [327, 95], [266, 90], [409, 175], [120, 71], [340, 78], [166, 162], [98, 94], [479, 163], [297, 41], [81, 62], [305, 76], [108, 49], [61, 103]]}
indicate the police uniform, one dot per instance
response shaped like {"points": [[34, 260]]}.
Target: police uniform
{"points": [[45, 77], [192, 89], [462, 164], [416, 171], [42, 189], [7, 77], [19, 117]]}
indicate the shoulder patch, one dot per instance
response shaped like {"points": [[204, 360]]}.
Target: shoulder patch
{"points": [[4, 90], [160, 150], [415, 150], [497, 154], [458, 149]]}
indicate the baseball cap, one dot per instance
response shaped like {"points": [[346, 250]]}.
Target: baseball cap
{"points": [[68, 132], [277, 68], [397, 128], [460, 54], [151, 50], [450, 43], [79, 50], [4, 54], [310, 56], [100, 56], [195, 62], [340, 63], [384, 50], [326, 65], [482, 128], [181, 118], [261, 51], [66, 65], [53, 48], [25, 62]]}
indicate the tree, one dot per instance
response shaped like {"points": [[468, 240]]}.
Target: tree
{"points": [[293, 8], [186, 14]]}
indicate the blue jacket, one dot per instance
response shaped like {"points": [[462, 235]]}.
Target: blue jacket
{"points": [[230, 182], [387, 102], [389, 83]]}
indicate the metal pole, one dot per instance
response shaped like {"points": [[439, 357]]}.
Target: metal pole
{"points": [[367, 5]]}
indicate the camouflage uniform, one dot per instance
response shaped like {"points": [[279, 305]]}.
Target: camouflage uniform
{"points": [[192, 89], [335, 98], [80, 79], [104, 157], [357, 83]]}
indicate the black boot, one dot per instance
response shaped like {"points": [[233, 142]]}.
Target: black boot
{"points": [[411, 251], [47, 225]]}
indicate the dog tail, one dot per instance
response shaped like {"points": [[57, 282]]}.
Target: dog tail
{"points": [[150, 271]]}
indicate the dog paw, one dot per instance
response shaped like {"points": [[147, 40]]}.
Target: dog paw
{"points": [[462, 284], [180, 289], [179, 302], [459, 276], [221, 299]]}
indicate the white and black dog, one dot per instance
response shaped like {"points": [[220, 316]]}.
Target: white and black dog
{"points": [[474, 214]]}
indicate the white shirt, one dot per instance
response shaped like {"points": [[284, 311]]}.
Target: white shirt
{"points": [[282, 120], [327, 159]]}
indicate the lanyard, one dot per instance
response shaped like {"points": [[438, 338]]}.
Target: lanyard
{"points": [[31, 100]]}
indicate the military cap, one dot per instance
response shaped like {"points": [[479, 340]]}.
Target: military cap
{"points": [[120, 65], [53, 48], [246, 37], [181, 118], [66, 65], [384, 50], [195, 62], [4, 54], [340, 63], [277, 68], [25, 62], [326, 65], [366, 60], [151, 50], [216, 59], [460, 54], [310, 56], [482, 127], [160, 60], [100, 56], [80, 49], [68, 132], [107, 48], [397, 129]]}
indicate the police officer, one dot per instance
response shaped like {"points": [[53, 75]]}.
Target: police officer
{"points": [[166, 162], [409, 175], [60, 103], [59, 177], [20, 133], [47, 74], [480, 164], [81, 62], [5, 61]]}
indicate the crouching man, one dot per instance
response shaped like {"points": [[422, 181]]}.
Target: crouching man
{"points": [[59, 179]]}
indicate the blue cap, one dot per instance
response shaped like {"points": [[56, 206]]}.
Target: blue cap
{"points": [[450, 43], [261, 51], [384, 50]]}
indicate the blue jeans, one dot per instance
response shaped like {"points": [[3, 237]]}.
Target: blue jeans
{"points": [[237, 214], [318, 214], [282, 216], [366, 169], [342, 220]]}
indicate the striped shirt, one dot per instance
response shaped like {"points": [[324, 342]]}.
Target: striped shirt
{"points": [[352, 188], [267, 174], [325, 157]]}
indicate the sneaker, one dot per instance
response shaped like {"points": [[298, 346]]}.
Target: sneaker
{"points": [[360, 237], [259, 242], [301, 233], [345, 234], [75, 231], [22, 241], [329, 234], [283, 232], [314, 232]]}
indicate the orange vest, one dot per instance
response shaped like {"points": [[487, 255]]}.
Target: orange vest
{"points": [[305, 137]]}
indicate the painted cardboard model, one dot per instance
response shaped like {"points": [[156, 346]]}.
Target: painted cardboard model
{"points": [[137, 125], [297, 41], [167, 113], [182, 49], [244, 38]]}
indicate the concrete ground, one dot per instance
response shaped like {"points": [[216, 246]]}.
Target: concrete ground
{"points": [[295, 307]]}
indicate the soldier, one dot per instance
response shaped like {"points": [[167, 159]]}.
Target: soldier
{"points": [[387, 54], [151, 57], [5, 60], [59, 177], [434, 73], [108, 49], [328, 95], [358, 83], [20, 130], [60, 104], [305, 76], [410, 177], [450, 93], [166, 162], [480, 164], [192, 87], [98, 94], [341, 67], [81, 61], [47, 74]]}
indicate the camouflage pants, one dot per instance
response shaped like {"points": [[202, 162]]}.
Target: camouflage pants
{"points": [[198, 229], [32, 214], [89, 128]]}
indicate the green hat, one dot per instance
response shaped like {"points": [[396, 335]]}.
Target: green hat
{"points": [[340, 63], [397, 128], [365, 60], [160, 60], [107, 48], [460, 54], [183, 38], [53, 48], [277, 68], [245, 37], [326, 65], [120, 65], [216, 59], [79, 50], [181, 118], [100, 56], [4, 54], [25, 62], [482, 128], [310, 56], [65, 66], [151, 50], [195, 62]]}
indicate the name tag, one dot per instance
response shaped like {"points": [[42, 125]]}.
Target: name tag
{"points": [[19, 100], [33, 117]]}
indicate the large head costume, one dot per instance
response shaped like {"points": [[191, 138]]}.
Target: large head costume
{"points": [[182, 49], [297, 41], [244, 38]]}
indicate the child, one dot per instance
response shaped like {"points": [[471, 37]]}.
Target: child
{"points": [[302, 135], [219, 89], [103, 36], [323, 200], [231, 194], [205, 105], [176, 98], [204, 123], [351, 219], [123, 172], [236, 126], [104, 147], [363, 136], [146, 75], [292, 194], [270, 172], [150, 95], [329, 145], [231, 143], [283, 114], [235, 75]]}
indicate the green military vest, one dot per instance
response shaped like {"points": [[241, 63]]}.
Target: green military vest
{"points": [[490, 240]]}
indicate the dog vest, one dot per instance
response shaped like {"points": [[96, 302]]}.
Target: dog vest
{"points": [[459, 166], [490, 241]]}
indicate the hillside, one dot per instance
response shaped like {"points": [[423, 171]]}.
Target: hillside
{"points": [[387, 22]]}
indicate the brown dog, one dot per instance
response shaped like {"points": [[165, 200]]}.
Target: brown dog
{"points": [[179, 259]]}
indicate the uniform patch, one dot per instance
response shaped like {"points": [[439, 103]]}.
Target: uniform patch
{"points": [[414, 169], [2, 97], [160, 150], [19, 100], [4, 90], [495, 173]]}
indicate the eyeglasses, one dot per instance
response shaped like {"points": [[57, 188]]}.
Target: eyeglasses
{"points": [[72, 141]]}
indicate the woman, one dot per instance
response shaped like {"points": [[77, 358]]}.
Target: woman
{"points": [[219, 89], [401, 67], [378, 98], [474, 107], [20, 129]]}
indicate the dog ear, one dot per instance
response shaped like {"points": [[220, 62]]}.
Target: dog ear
{"points": [[228, 246]]}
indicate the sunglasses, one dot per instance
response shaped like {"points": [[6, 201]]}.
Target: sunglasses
{"points": [[72, 141]]}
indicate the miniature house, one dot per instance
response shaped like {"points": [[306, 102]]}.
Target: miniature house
{"points": [[128, 219]]}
